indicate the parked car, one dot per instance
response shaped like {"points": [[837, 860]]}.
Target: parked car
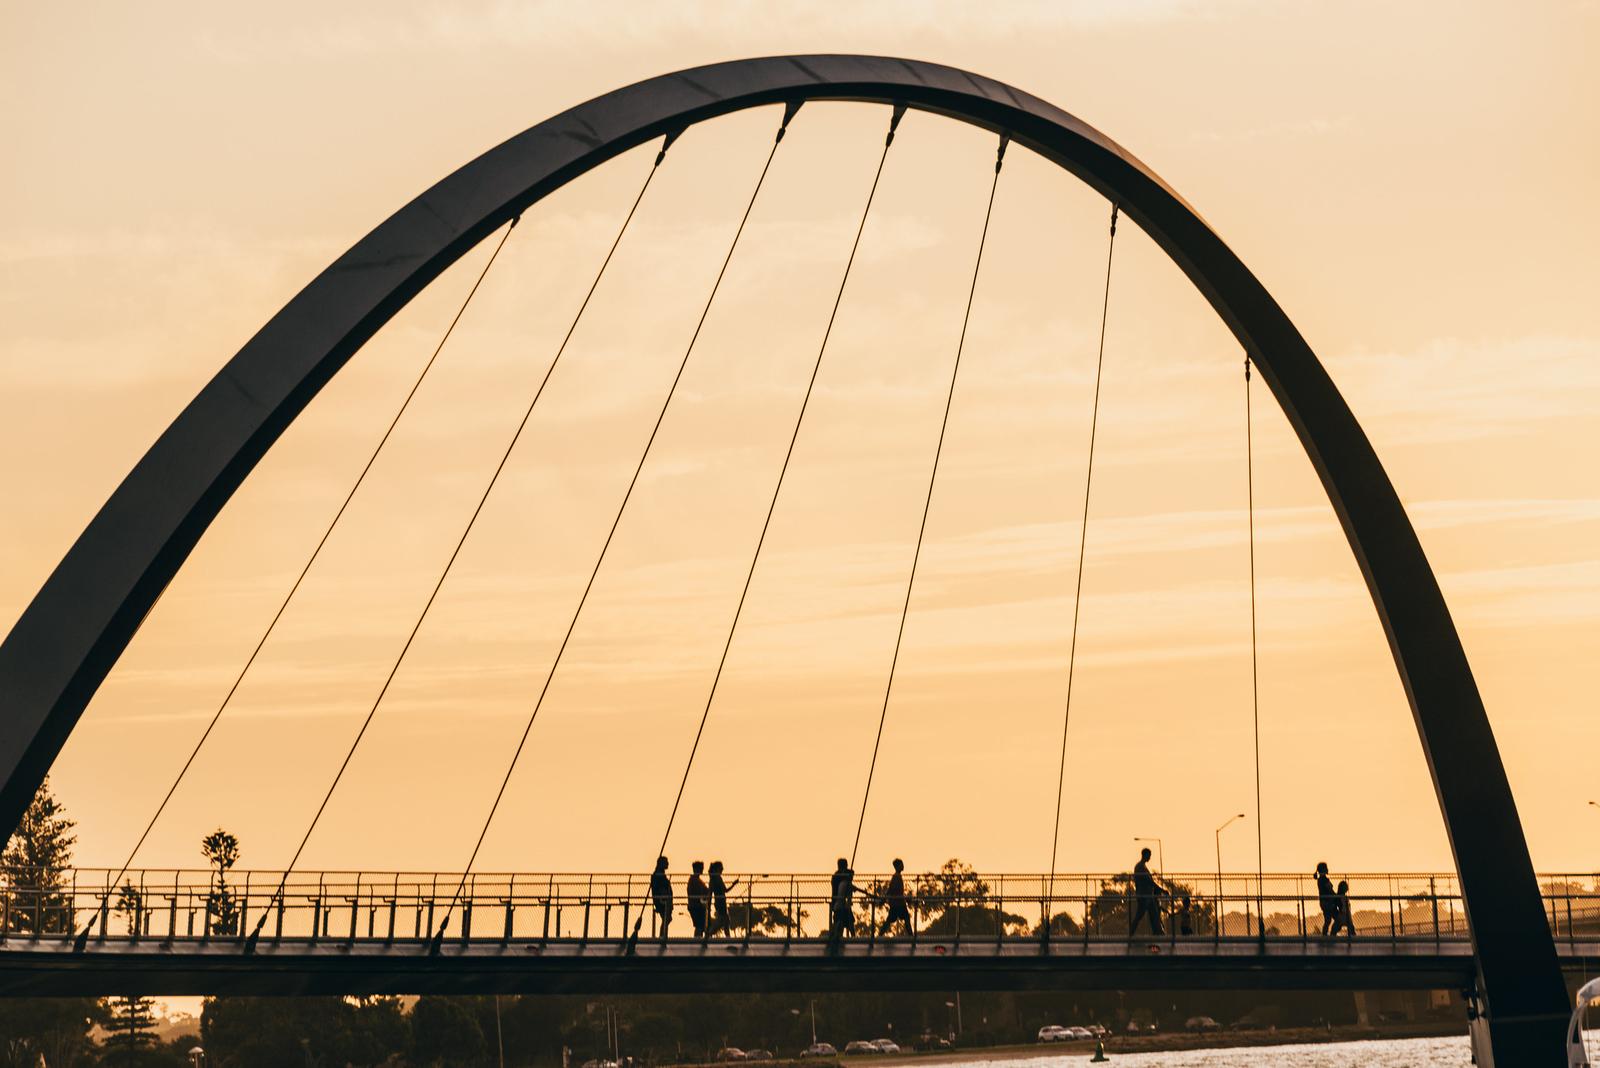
{"points": [[860, 1045], [1080, 1034], [932, 1041], [819, 1049], [1098, 1031], [886, 1045], [1201, 1024], [758, 1055], [1053, 1033], [730, 1053]]}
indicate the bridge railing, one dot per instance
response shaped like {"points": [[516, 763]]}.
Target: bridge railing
{"points": [[197, 906]]}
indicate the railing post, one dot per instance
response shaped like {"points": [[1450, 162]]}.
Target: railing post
{"points": [[466, 908]]}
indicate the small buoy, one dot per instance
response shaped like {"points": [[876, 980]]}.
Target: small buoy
{"points": [[1099, 1052]]}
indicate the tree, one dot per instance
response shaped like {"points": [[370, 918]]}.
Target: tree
{"points": [[445, 1033], [130, 905], [654, 1036], [279, 1032], [130, 1031], [36, 861], [1109, 912], [221, 851], [55, 1029], [768, 919]]}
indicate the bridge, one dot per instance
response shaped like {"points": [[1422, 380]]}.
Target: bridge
{"points": [[1497, 936], [374, 933]]}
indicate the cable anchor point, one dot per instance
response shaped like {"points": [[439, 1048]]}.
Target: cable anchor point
{"points": [[1000, 154], [666, 143], [894, 123], [1116, 209], [790, 108]]}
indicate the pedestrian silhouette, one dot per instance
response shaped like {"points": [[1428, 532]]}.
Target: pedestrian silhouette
{"points": [[1146, 896], [719, 901], [661, 895], [1326, 898], [1341, 912], [894, 895], [699, 899], [841, 906], [1185, 916]]}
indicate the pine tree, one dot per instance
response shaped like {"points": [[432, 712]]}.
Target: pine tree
{"points": [[221, 850], [130, 1030], [35, 864]]}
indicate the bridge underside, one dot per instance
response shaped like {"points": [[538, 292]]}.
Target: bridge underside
{"points": [[49, 968]]}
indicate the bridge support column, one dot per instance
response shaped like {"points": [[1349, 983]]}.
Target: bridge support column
{"points": [[1514, 1040]]}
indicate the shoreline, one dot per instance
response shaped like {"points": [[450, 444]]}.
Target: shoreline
{"points": [[1178, 1041], [1169, 1042]]}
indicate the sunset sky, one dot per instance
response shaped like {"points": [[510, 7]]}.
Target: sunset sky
{"points": [[1415, 184]]}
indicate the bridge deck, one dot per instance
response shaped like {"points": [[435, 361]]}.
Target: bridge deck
{"points": [[51, 967]]}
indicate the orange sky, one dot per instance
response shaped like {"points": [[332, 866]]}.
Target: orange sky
{"points": [[1414, 185]]}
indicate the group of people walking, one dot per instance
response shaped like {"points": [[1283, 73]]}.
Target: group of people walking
{"points": [[707, 901], [1335, 904], [707, 898], [841, 901], [1148, 892]]}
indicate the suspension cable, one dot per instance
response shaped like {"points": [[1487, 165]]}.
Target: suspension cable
{"points": [[766, 523], [300, 578], [1255, 684], [456, 551], [927, 503], [1083, 541], [438, 937]]}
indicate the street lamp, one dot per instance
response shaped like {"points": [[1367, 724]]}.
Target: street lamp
{"points": [[1161, 857], [796, 1014], [1218, 837]]}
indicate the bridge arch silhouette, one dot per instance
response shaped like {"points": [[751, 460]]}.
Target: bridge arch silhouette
{"points": [[78, 625]]}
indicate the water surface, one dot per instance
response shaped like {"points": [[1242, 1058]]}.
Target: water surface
{"points": [[1450, 1052]]}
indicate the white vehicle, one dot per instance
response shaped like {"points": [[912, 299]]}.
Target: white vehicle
{"points": [[886, 1045], [1080, 1034], [1054, 1033]]}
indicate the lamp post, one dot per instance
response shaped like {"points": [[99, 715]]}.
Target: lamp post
{"points": [[1161, 857], [796, 1013], [1218, 837]]}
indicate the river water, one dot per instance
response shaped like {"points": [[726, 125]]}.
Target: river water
{"points": [[1382, 1053]]}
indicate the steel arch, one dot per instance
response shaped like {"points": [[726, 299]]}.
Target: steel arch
{"points": [[77, 626]]}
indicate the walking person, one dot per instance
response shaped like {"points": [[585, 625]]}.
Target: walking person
{"points": [[719, 901], [661, 896], [841, 904], [894, 895], [699, 899], [1146, 895], [1185, 918], [1326, 898], [1342, 917]]}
